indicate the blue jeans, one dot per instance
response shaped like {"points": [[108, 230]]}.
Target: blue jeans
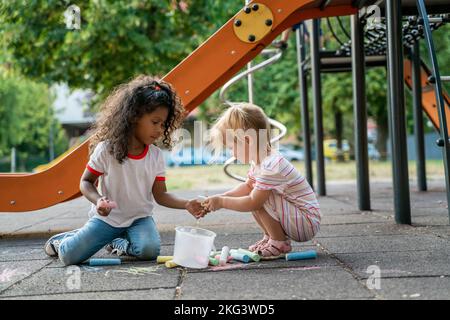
{"points": [[79, 245]]}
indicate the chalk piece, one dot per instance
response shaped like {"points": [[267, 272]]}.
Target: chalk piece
{"points": [[302, 255], [224, 256], [240, 257], [163, 259], [170, 264], [228, 259], [213, 261], [109, 204], [215, 253], [104, 262], [253, 255]]}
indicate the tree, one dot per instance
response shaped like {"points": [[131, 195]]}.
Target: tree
{"points": [[116, 40], [25, 118]]}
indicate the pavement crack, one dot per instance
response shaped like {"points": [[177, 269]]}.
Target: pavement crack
{"points": [[178, 293], [88, 291]]}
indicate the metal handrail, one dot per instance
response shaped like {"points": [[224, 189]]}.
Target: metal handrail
{"points": [[276, 55], [439, 96]]}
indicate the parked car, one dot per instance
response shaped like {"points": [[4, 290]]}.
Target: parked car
{"points": [[291, 154], [331, 151], [193, 156]]}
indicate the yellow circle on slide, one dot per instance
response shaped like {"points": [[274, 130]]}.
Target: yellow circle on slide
{"points": [[253, 26]]}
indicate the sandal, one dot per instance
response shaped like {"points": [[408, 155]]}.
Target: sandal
{"points": [[274, 249], [255, 247]]}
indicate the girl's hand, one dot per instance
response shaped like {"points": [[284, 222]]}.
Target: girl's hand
{"points": [[195, 208], [104, 206], [213, 203]]}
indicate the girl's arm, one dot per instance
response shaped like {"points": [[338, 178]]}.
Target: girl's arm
{"points": [[88, 189], [252, 202], [242, 189], [166, 199]]}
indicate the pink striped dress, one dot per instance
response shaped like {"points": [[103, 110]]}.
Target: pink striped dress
{"points": [[292, 201]]}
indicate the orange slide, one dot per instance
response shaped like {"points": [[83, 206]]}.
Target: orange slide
{"points": [[429, 104], [195, 78]]}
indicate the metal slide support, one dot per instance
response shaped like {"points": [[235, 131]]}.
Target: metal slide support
{"points": [[360, 113], [303, 86], [396, 98]]}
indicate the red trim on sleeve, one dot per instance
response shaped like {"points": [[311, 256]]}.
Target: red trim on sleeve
{"points": [[160, 179], [93, 171]]}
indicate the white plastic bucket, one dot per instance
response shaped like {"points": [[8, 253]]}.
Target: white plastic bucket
{"points": [[193, 246]]}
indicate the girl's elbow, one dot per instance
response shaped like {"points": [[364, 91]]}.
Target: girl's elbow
{"points": [[84, 186], [82, 189], [158, 199]]}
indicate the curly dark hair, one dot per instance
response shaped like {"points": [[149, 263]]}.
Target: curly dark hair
{"points": [[126, 104]]}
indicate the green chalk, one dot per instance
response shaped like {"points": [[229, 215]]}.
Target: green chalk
{"points": [[253, 255], [213, 261]]}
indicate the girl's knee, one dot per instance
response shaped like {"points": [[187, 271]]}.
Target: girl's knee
{"points": [[70, 256], [148, 250]]}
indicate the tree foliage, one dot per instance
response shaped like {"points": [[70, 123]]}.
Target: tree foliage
{"points": [[120, 39], [25, 118]]}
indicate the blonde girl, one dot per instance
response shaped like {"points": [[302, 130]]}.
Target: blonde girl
{"points": [[282, 202]]}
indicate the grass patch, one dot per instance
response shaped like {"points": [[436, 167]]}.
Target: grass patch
{"points": [[212, 176]]}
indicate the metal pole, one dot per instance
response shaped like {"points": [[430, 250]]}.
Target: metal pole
{"points": [[250, 75], [303, 85], [317, 105], [418, 118], [439, 99], [360, 113], [397, 110]]}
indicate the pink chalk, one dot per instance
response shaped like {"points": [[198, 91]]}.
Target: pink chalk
{"points": [[108, 204], [229, 258], [229, 266]]}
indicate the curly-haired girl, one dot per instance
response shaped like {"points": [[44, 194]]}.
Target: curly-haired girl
{"points": [[130, 169]]}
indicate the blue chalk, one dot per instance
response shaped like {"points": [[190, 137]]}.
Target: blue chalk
{"points": [[309, 254], [104, 262], [240, 257]]}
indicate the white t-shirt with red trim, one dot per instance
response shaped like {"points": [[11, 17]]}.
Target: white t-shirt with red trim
{"points": [[128, 184]]}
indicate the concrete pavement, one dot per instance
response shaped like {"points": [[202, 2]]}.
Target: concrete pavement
{"points": [[353, 248]]}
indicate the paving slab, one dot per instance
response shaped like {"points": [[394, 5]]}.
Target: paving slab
{"points": [[354, 218], [399, 264], [145, 294], [13, 272], [60, 280], [374, 229], [23, 254], [423, 288], [383, 243], [314, 283]]}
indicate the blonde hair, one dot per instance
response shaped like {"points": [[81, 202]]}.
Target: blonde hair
{"points": [[244, 116]]}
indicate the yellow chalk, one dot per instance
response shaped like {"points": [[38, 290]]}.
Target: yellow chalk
{"points": [[171, 264], [163, 259]]}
